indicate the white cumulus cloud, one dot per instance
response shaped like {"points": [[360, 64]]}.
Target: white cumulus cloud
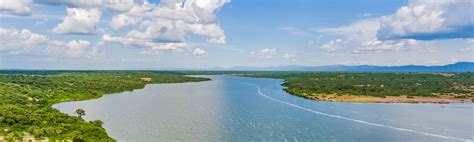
{"points": [[267, 53], [26, 42], [430, 19], [11, 39], [79, 21], [77, 48], [122, 20], [15, 7], [155, 47], [333, 45], [165, 26], [362, 37], [168, 24], [199, 52]]}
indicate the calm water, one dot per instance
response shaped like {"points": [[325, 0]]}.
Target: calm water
{"points": [[250, 109]]}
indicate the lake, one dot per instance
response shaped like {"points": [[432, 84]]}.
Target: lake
{"points": [[255, 109]]}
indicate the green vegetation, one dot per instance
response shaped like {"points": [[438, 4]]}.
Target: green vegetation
{"points": [[26, 98], [310, 84]]}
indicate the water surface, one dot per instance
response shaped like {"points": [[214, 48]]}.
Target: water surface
{"points": [[243, 109]]}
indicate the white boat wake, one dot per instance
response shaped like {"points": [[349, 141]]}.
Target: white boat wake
{"points": [[355, 120]]}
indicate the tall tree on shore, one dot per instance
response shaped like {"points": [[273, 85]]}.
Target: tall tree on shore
{"points": [[80, 112]]}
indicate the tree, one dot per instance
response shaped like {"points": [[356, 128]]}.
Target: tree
{"points": [[80, 112]]}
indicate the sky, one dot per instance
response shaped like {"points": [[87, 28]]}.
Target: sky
{"points": [[167, 34]]}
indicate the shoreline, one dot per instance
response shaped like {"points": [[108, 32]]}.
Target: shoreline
{"points": [[91, 93], [387, 99], [29, 137], [347, 98]]}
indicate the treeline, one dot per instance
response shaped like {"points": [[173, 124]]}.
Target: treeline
{"points": [[307, 84], [26, 99]]}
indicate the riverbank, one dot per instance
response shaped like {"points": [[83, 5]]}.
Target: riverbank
{"points": [[377, 87], [27, 98], [389, 99]]}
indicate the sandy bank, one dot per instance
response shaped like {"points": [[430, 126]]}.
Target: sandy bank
{"points": [[390, 99]]}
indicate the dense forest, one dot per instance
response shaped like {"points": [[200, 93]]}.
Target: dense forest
{"points": [[26, 98], [311, 84]]}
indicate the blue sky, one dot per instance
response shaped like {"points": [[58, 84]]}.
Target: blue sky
{"points": [[102, 34]]}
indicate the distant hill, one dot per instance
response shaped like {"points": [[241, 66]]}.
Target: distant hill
{"points": [[456, 67]]}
